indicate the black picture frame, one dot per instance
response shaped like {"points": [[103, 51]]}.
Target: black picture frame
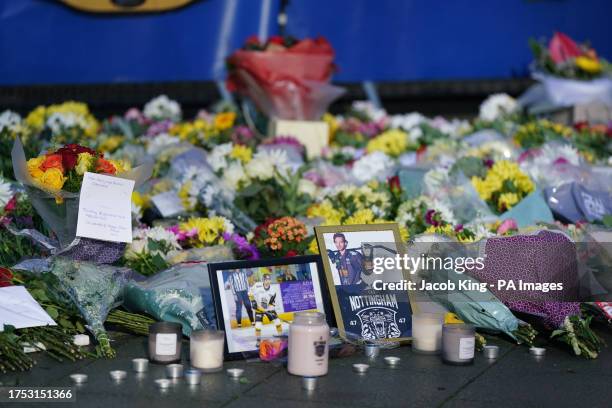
{"points": [[215, 268]]}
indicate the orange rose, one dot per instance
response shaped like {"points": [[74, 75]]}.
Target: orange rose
{"points": [[105, 167], [52, 161]]}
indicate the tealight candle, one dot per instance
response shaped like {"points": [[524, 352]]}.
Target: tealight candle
{"points": [[308, 349], [458, 344], [165, 342], [206, 350], [427, 332]]}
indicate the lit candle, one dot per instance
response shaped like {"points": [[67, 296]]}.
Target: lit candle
{"points": [[458, 344], [165, 342], [308, 345], [206, 349], [427, 332]]}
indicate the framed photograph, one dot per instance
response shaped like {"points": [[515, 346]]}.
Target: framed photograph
{"points": [[255, 300], [363, 306]]}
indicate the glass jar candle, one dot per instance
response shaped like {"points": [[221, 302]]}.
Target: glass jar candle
{"points": [[308, 345], [165, 342], [458, 344], [206, 350], [427, 332]]}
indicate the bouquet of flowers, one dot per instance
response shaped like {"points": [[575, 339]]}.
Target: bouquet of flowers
{"points": [[539, 258], [151, 250], [53, 182], [286, 236], [68, 122], [504, 186], [565, 58], [593, 141], [569, 74], [285, 77], [536, 133]]}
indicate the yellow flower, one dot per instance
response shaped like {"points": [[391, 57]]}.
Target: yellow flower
{"points": [[313, 247], [325, 210], [85, 162], [34, 167], [121, 165], [110, 144], [242, 153], [224, 120], [53, 179], [590, 65], [364, 216], [392, 142], [36, 118], [141, 200], [208, 230], [185, 196], [332, 125], [507, 201]]}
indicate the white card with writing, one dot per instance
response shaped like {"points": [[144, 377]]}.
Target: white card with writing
{"points": [[105, 208], [168, 203]]}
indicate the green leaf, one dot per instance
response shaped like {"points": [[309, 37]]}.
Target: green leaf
{"points": [[52, 312], [67, 324], [79, 327]]}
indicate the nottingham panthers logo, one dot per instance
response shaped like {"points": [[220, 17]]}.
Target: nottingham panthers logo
{"points": [[378, 323]]}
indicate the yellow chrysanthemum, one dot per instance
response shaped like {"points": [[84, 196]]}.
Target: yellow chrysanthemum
{"points": [[392, 142], [224, 120], [85, 162], [121, 165], [184, 196], [110, 144], [208, 230], [36, 118], [325, 210], [363, 216], [590, 65], [507, 201], [313, 247], [242, 153]]}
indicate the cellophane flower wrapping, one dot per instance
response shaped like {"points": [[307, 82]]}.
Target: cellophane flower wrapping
{"points": [[180, 294], [540, 257], [291, 84], [483, 309], [60, 210], [95, 290]]}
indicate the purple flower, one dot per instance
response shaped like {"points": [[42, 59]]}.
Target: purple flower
{"points": [[242, 247], [242, 135], [432, 218], [157, 128], [285, 141], [488, 163], [458, 227]]}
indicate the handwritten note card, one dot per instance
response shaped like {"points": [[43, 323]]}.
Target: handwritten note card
{"points": [[105, 208]]}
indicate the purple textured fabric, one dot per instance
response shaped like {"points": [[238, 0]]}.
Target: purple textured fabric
{"points": [[92, 250], [543, 257]]}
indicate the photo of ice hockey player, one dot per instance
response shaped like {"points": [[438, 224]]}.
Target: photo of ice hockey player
{"points": [[263, 301]]}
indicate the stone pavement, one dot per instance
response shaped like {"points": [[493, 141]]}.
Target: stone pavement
{"points": [[515, 379]]}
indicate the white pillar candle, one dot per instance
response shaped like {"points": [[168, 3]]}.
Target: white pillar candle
{"points": [[427, 332], [206, 350]]}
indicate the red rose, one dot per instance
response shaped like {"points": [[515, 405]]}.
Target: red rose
{"points": [[70, 154], [6, 277], [562, 48], [291, 253]]}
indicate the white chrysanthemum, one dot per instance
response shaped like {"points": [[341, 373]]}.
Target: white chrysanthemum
{"points": [[496, 106], [454, 128], [234, 175], [307, 187], [161, 142], [9, 120], [5, 193], [370, 110], [555, 152], [265, 162], [59, 121], [229, 227], [161, 108], [218, 156], [375, 165], [407, 121]]}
